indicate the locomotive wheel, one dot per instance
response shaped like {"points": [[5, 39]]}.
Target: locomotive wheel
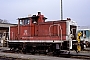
{"points": [[11, 48], [33, 51], [46, 51]]}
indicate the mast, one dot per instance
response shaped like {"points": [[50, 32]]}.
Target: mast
{"points": [[61, 11]]}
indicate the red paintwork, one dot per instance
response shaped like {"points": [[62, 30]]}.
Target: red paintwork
{"points": [[39, 31], [13, 32]]}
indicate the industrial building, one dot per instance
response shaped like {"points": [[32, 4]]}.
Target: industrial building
{"points": [[4, 29]]}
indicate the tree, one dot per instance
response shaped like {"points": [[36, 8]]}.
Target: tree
{"points": [[3, 21]]}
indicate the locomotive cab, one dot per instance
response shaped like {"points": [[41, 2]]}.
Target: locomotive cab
{"points": [[32, 20]]}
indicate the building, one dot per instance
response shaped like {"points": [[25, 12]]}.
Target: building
{"points": [[4, 31]]}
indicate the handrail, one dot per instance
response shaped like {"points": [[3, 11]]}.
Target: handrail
{"points": [[58, 30]]}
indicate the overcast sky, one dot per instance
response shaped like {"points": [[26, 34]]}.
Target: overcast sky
{"points": [[77, 10]]}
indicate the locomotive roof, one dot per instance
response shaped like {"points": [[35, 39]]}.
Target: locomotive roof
{"points": [[58, 21], [30, 17], [24, 18]]}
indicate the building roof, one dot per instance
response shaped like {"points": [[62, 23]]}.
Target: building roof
{"points": [[84, 27], [7, 24]]}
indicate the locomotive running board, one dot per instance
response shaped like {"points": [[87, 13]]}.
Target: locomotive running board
{"points": [[48, 41]]}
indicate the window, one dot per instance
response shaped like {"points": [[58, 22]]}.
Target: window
{"points": [[82, 33], [24, 22], [85, 32]]}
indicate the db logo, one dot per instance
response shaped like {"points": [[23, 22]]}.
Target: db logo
{"points": [[25, 32]]}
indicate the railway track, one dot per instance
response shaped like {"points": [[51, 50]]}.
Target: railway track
{"points": [[65, 55], [10, 58], [81, 57]]}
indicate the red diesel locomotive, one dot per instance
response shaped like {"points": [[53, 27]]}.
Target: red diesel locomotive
{"points": [[33, 34]]}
